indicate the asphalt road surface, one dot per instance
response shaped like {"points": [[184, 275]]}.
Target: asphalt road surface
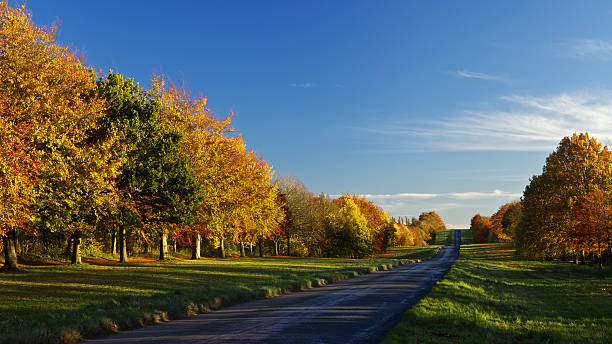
{"points": [[359, 310]]}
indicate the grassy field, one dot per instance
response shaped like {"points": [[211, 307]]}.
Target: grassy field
{"points": [[466, 236], [489, 296], [445, 237], [65, 303]]}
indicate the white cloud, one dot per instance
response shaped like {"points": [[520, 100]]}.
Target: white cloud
{"points": [[594, 48], [453, 195], [476, 75], [449, 204], [516, 123], [303, 85]]}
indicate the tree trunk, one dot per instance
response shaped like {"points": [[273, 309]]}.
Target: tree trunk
{"points": [[288, 246], [114, 241], [242, 254], [17, 246], [68, 250], [582, 257], [575, 256], [251, 248], [174, 246], [10, 254], [260, 244], [123, 257], [599, 255], [221, 248], [195, 249], [163, 247], [76, 248], [275, 248]]}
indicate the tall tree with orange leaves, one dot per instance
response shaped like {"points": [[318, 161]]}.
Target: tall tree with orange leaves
{"points": [[48, 106]]}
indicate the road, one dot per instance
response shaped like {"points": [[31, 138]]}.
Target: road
{"points": [[359, 310]]}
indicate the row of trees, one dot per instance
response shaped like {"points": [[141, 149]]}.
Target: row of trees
{"points": [[87, 159], [501, 226], [348, 226], [103, 164], [565, 211]]}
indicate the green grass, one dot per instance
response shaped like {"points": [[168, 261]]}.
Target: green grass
{"points": [[445, 237], [65, 303], [466, 236], [490, 296]]}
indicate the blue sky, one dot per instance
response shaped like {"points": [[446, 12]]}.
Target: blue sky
{"points": [[447, 106]]}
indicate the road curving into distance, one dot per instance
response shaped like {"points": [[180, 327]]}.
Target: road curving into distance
{"points": [[359, 310]]}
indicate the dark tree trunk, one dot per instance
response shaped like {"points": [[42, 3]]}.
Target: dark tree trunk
{"points": [[174, 246], [275, 248], [123, 257], [260, 244], [76, 248], [288, 246], [114, 241], [68, 250], [242, 254], [10, 253], [221, 248], [163, 247], [582, 257], [195, 249], [599, 255], [575, 257]]}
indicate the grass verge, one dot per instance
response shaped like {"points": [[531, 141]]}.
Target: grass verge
{"points": [[490, 296], [64, 304]]}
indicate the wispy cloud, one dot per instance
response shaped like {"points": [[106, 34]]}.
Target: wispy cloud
{"points": [[476, 75], [514, 123], [593, 48], [303, 85], [453, 195], [451, 204]]}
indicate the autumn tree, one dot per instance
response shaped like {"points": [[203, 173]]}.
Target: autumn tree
{"points": [[480, 226], [351, 236], [498, 232], [49, 107], [557, 204]]}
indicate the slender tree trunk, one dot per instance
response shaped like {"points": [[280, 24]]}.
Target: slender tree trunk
{"points": [[275, 248], [123, 257], [195, 249], [575, 256], [174, 246], [163, 247], [68, 250], [251, 248], [17, 245], [114, 241], [260, 244], [222, 248], [599, 255], [76, 247], [10, 253], [242, 254], [582, 257], [288, 246]]}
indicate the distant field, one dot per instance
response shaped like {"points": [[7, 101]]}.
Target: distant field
{"points": [[64, 301], [466, 236], [490, 296], [445, 237]]}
